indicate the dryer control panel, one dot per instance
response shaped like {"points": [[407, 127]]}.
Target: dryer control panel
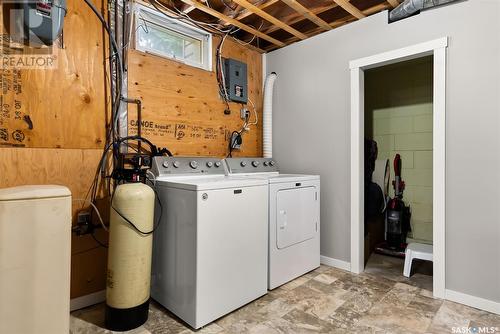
{"points": [[251, 165], [187, 165]]}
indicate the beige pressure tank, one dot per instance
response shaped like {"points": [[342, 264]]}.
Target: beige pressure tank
{"points": [[129, 257], [35, 257]]}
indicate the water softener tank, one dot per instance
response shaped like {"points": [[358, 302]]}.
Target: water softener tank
{"points": [[35, 258], [129, 256]]}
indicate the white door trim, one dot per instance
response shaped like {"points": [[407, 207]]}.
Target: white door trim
{"points": [[437, 48]]}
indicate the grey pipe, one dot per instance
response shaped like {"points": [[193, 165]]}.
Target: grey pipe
{"points": [[410, 7]]}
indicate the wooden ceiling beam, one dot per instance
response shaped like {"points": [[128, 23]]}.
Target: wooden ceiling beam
{"points": [[393, 3], [186, 9], [231, 12], [336, 23], [348, 7], [232, 21], [246, 13], [316, 11], [259, 12], [307, 13]]}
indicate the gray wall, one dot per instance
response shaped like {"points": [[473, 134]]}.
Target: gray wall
{"points": [[312, 128]]}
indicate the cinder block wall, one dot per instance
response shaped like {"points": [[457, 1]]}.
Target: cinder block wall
{"points": [[398, 104]]}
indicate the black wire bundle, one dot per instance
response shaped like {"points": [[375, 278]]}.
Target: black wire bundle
{"points": [[113, 139], [219, 70]]}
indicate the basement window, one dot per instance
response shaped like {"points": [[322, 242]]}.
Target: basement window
{"points": [[166, 37]]}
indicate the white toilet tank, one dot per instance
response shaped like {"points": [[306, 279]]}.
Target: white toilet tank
{"points": [[35, 257]]}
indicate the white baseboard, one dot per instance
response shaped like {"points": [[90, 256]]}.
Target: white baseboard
{"points": [[473, 301], [328, 261], [87, 300]]}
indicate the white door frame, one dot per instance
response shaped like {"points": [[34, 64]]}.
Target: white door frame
{"points": [[437, 48]]}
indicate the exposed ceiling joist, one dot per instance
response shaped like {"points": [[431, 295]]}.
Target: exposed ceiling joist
{"points": [[186, 9], [247, 13], [350, 9], [316, 11], [337, 23], [393, 3], [307, 13], [229, 11], [232, 21], [257, 11]]}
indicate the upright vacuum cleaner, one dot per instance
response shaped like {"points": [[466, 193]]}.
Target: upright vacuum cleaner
{"points": [[398, 214]]}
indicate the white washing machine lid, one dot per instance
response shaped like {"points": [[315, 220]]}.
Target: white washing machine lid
{"points": [[275, 177], [209, 183], [285, 178]]}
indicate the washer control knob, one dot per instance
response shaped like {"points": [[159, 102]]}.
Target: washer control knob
{"points": [[210, 164], [193, 164], [243, 163], [271, 163], [176, 164], [255, 163], [165, 164], [217, 164]]}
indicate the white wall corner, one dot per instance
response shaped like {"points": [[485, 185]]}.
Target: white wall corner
{"points": [[87, 300], [328, 261], [473, 301]]}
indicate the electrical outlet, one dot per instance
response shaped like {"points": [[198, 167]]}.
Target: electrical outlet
{"points": [[244, 113], [83, 223]]}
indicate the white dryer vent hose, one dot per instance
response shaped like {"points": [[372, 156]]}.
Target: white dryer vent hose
{"points": [[268, 115]]}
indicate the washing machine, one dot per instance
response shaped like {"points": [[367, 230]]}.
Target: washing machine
{"points": [[293, 220], [210, 248]]}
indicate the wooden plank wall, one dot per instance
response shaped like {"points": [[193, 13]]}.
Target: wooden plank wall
{"points": [[67, 108]]}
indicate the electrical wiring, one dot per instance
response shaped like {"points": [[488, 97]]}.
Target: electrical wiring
{"points": [[220, 74], [255, 113], [101, 244], [157, 197], [116, 63], [179, 15], [116, 54], [221, 66], [111, 149], [253, 38], [95, 209]]}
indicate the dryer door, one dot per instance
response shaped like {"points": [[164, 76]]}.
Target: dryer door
{"points": [[296, 216]]}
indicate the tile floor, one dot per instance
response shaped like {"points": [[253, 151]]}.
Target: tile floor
{"points": [[327, 300]]}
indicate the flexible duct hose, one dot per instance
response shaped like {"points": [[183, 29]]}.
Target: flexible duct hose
{"points": [[268, 115], [410, 7]]}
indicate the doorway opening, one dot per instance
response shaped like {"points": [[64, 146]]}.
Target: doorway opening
{"points": [[435, 52], [398, 109]]}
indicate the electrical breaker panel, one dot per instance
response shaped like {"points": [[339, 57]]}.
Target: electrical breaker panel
{"points": [[235, 75]]}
